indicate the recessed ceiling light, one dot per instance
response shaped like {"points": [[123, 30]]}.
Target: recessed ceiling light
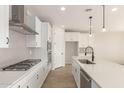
{"points": [[62, 8], [114, 9]]}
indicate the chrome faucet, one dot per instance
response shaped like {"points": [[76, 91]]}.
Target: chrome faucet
{"points": [[89, 47]]}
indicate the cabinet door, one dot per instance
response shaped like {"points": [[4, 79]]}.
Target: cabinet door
{"points": [[76, 73], [73, 68], [72, 36], [44, 35], [49, 32], [29, 19], [4, 26], [32, 82], [35, 40], [40, 77], [38, 30], [78, 76], [21, 84]]}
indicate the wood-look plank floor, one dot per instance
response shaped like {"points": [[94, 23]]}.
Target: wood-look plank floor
{"points": [[60, 78]]}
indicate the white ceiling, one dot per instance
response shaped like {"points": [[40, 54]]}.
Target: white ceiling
{"points": [[76, 18]]}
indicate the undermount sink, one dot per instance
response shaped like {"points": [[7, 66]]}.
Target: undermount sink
{"points": [[85, 61]]}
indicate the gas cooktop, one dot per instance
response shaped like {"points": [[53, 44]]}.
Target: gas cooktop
{"points": [[22, 66]]}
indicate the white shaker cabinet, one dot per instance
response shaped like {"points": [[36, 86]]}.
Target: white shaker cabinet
{"points": [[49, 28], [76, 73], [72, 36], [38, 30], [44, 35], [35, 40], [29, 81], [35, 78], [4, 26]]}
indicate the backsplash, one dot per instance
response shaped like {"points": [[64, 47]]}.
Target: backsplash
{"points": [[17, 50]]}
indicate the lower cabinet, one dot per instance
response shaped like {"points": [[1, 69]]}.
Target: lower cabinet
{"points": [[76, 73], [35, 78], [77, 76]]}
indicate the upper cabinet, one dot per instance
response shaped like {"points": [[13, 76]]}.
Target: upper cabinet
{"points": [[38, 30], [49, 28], [35, 40], [72, 36], [19, 18], [4, 26]]}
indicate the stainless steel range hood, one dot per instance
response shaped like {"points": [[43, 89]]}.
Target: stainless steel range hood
{"points": [[21, 20]]}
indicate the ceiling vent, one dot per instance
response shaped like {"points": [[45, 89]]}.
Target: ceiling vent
{"points": [[88, 10]]}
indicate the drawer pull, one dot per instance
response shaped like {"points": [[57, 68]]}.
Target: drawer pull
{"points": [[7, 40]]}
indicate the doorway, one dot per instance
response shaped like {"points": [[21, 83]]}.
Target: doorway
{"points": [[58, 48], [71, 49]]}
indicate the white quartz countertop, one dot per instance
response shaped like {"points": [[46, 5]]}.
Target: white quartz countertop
{"points": [[105, 73], [8, 78]]}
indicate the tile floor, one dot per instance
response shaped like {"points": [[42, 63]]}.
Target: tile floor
{"points": [[60, 78]]}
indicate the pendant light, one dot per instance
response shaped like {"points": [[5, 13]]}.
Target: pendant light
{"points": [[90, 32], [103, 28]]}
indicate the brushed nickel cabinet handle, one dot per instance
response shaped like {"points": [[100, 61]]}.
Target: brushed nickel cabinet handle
{"points": [[7, 40], [27, 86], [18, 86], [37, 76]]}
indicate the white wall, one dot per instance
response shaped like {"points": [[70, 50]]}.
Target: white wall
{"points": [[109, 46], [17, 50]]}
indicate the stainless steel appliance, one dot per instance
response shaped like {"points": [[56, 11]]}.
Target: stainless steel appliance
{"points": [[22, 66], [85, 80], [21, 20]]}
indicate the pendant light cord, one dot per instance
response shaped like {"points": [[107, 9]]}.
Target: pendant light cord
{"points": [[90, 24], [103, 16]]}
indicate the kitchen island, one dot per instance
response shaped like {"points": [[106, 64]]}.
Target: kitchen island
{"points": [[105, 74]]}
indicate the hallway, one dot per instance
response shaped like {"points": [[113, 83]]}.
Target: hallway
{"points": [[60, 78]]}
